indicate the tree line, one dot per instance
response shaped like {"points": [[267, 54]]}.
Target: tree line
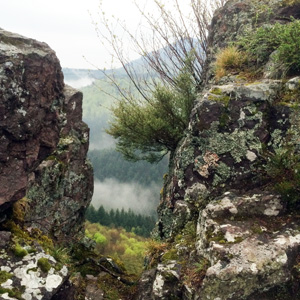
{"points": [[130, 221]]}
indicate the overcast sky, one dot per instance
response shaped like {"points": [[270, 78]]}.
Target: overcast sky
{"points": [[66, 26]]}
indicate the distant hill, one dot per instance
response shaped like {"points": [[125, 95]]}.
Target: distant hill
{"points": [[79, 78]]}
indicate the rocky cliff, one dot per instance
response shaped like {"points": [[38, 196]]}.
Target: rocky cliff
{"points": [[46, 180], [228, 216], [228, 224]]}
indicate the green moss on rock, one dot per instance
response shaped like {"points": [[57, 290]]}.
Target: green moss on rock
{"points": [[44, 264], [4, 276], [19, 251]]}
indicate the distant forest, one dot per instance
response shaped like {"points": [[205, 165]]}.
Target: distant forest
{"points": [[137, 223], [108, 163]]}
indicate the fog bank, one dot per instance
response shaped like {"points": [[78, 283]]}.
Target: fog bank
{"points": [[114, 194], [79, 83]]}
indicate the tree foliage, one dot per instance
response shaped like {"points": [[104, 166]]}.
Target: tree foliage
{"points": [[130, 221], [119, 244], [173, 55], [150, 129]]}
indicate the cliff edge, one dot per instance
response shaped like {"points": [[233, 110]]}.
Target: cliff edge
{"points": [[229, 212], [46, 180]]}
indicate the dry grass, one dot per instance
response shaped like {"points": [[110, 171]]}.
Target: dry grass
{"points": [[291, 2], [229, 60]]}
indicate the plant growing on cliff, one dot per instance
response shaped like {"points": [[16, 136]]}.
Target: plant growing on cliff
{"points": [[283, 40], [152, 113], [229, 59], [283, 168], [150, 129], [44, 265]]}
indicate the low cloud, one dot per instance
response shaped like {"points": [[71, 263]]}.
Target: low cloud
{"points": [[79, 83], [113, 194]]}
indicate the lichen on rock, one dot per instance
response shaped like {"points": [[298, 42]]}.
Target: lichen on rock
{"points": [[46, 179], [235, 176]]}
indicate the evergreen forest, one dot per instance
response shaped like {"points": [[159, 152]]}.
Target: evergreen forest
{"points": [[139, 224]]}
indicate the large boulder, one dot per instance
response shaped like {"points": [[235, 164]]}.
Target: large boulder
{"points": [[249, 242], [46, 179], [61, 187], [44, 142], [31, 93], [232, 128]]}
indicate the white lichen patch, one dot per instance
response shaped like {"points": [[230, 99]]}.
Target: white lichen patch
{"points": [[66, 141], [52, 282], [273, 208], [251, 156], [5, 268], [225, 204], [22, 111], [282, 259], [27, 274], [5, 296], [242, 115], [253, 268], [7, 284], [158, 285], [293, 83], [230, 237]]}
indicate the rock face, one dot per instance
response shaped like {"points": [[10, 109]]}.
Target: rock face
{"points": [[31, 94], [46, 180], [248, 242], [43, 139], [229, 233], [61, 187], [27, 276]]}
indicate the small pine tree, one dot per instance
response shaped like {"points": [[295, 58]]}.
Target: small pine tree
{"points": [[147, 130]]}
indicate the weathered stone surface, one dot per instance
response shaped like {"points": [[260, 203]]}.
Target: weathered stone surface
{"points": [[46, 180], [4, 239], [247, 244], [248, 240], [31, 91], [43, 139], [230, 128], [28, 278], [62, 185], [93, 292], [160, 283], [145, 285]]}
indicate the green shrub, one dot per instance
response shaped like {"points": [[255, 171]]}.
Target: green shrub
{"points": [[283, 168], [149, 129], [284, 38]]}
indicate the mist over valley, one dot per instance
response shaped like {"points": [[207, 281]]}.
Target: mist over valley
{"points": [[117, 183]]}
